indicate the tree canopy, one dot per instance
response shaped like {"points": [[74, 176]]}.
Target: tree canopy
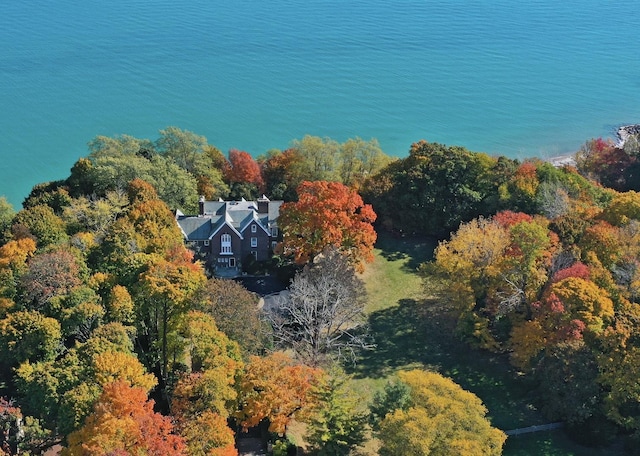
{"points": [[440, 419], [327, 214]]}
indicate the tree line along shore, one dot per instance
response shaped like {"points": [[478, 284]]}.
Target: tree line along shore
{"points": [[105, 315]]}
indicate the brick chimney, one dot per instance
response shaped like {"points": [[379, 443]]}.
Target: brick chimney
{"points": [[263, 205]]}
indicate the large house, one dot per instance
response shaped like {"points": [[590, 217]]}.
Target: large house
{"points": [[225, 233]]}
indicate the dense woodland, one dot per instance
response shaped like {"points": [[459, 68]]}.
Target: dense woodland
{"points": [[113, 340]]}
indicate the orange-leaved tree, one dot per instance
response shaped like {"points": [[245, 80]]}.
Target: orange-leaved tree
{"points": [[123, 422], [275, 388], [327, 214]]}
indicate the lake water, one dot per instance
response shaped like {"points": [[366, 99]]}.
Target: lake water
{"points": [[504, 77]]}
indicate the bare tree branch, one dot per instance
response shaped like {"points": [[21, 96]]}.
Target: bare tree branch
{"points": [[322, 316]]}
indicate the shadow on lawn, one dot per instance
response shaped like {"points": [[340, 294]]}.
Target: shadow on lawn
{"points": [[416, 334], [416, 250], [396, 333]]}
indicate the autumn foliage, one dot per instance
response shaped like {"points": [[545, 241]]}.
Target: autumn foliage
{"points": [[124, 421], [101, 304], [327, 214], [441, 418], [275, 388], [242, 167]]}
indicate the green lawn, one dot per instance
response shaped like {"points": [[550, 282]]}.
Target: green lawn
{"points": [[411, 331], [393, 274]]}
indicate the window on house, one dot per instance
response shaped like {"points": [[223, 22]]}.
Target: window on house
{"points": [[206, 243], [255, 254], [274, 231], [225, 244], [254, 242], [254, 228], [232, 262], [274, 244]]}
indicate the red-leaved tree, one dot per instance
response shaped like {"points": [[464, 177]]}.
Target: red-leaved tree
{"points": [[242, 168]]}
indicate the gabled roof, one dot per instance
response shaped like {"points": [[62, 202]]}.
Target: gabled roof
{"points": [[225, 221], [235, 214], [194, 228], [274, 210], [253, 217]]}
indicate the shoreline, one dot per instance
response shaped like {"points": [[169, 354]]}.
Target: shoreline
{"points": [[623, 133], [562, 160]]}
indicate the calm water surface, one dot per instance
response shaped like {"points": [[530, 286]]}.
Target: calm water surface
{"points": [[498, 76]]}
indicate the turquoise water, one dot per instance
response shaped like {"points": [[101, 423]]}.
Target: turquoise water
{"points": [[498, 76]]}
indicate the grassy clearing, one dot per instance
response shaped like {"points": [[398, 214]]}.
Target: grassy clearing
{"points": [[393, 274], [412, 332]]}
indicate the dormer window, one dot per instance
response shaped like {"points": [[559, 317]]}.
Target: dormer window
{"points": [[254, 228]]}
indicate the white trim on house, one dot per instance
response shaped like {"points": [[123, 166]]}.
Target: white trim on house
{"points": [[226, 244], [227, 223]]}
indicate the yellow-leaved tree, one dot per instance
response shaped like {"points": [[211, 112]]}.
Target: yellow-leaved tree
{"points": [[440, 419]]}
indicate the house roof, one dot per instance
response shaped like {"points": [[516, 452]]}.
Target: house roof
{"points": [[235, 214], [194, 227]]}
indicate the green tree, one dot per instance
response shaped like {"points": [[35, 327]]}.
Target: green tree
{"points": [[52, 194], [336, 426], [165, 294], [320, 157], [360, 159], [282, 172], [567, 378], [28, 335], [122, 145], [112, 170], [7, 212], [94, 214], [435, 188], [61, 392], [184, 147], [527, 264], [148, 228], [395, 395], [43, 223]]}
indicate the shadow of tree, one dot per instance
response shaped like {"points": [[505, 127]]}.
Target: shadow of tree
{"points": [[421, 334], [403, 337], [416, 250]]}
